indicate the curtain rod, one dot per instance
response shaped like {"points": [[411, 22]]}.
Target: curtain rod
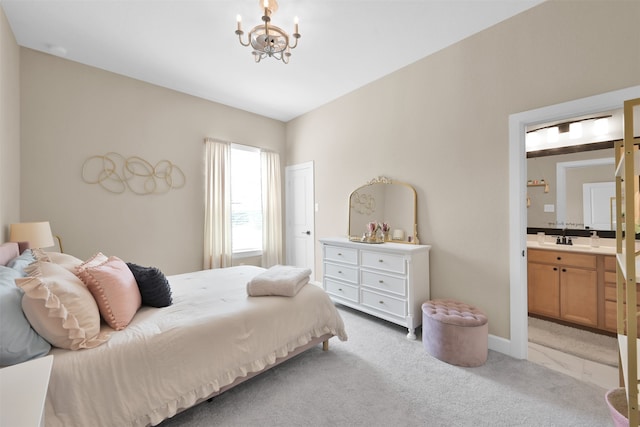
{"points": [[266, 150]]}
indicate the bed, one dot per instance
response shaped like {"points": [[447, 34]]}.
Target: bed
{"points": [[210, 339]]}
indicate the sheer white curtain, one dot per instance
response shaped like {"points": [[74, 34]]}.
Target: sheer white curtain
{"points": [[271, 209], [217, 216]]}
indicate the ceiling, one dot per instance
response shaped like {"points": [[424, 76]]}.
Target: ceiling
{"points": [[190, 46]]}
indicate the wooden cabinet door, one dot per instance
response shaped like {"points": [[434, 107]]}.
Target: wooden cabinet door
{"points": [[579, 296], [543, 289]]}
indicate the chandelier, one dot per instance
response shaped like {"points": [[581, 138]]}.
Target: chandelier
{"points": [[266, 39]]}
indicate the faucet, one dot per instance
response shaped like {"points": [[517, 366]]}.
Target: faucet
{"points": [[564, 240]]}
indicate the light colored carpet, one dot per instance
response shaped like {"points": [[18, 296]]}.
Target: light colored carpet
{"points": [[379, 378], [584, 344]]}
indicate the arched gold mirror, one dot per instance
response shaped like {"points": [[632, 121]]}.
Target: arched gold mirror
{"points": [[383, 211]]}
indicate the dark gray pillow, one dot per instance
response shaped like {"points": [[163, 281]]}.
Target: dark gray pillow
{"points": [[154, 286]]}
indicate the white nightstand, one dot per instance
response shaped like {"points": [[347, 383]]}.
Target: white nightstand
{"points": [[23, 390]]}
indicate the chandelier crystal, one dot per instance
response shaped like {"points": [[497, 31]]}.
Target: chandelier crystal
{"points": [[266, 39]]}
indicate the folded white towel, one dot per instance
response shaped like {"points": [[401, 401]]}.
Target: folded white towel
{"points": [[284, 280]]}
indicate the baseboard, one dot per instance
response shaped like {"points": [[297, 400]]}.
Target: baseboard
{"points": [[499, 344]]}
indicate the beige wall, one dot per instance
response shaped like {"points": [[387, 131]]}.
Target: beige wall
{"points": [[9, 128], [441, 124], [71, 112]]}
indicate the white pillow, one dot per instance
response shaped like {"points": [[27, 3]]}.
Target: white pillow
{"points": [[60, 308]]}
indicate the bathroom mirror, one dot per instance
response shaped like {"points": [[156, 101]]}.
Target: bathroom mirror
{"points": [[383, 200], [579, 192]]}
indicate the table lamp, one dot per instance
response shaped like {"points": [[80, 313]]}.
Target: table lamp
{"points": [[38, 234]]}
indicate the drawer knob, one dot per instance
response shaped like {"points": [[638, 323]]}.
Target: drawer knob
{"points": [[380, 260], [380, 281], [559, 258], [340, 289], [340, 254], [339, 271], [381, 302]]}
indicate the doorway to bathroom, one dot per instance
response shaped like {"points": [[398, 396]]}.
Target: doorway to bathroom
{"points": [[518, 124]]}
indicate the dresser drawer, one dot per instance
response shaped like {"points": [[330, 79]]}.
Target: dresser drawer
{"points": [[342, 272], [391, 305], [563, 258], [341, 290], [380, 261], [384, 282], [336, 253]]}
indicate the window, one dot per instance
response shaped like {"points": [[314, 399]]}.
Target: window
{"points": [[246, 201]]}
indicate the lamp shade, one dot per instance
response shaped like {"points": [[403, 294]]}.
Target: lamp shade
{"points": [[38, 234]]}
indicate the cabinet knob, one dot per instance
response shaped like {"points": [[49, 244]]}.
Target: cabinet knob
{"points": [[564, 270], [559, 258], [555, 268]]}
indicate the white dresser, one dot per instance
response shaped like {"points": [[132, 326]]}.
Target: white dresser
{"points": [[387, 280]]}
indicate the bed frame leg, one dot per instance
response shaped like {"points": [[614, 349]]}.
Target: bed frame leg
{"points": [[325, 345]]}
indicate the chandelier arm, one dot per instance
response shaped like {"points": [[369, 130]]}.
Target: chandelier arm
{"points": [[296, 36], [240, 33]]}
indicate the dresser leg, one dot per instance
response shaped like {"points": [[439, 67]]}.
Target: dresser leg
{"points": [[411, 335]]}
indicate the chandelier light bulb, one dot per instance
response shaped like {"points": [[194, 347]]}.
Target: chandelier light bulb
{"points": [[239, 21]]}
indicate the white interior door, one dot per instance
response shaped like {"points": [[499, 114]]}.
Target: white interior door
{"points": [[597, 205], [299, 201]]}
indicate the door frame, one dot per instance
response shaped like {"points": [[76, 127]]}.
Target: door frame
{"points": [[518, 341]]}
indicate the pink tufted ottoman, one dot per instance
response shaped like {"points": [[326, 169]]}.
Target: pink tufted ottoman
{"points": [[455, 332]]}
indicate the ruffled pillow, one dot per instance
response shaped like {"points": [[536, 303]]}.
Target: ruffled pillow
{"points": [[154, 286], [18, 341], [65, 260], [115, 290], [60, 308]]}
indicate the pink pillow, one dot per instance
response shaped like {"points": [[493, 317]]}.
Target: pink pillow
{"points": [[97, 259], [115, 290], [60, 308]]}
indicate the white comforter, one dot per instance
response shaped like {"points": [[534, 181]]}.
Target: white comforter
{"points": [[168, 358]]}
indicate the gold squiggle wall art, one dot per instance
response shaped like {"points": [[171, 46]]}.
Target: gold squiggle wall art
{"points": [[116, 173]]}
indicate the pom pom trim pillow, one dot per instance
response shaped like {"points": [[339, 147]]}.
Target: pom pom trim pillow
{"points": [[60, 308], [115, 290]]}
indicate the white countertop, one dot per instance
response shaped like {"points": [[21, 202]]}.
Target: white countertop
{"points": [[580, 244]]}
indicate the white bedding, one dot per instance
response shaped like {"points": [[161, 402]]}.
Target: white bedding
{"points": [[169, 358]]}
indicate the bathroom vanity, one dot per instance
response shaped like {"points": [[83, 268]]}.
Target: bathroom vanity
{"points": [[573, 283]]}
